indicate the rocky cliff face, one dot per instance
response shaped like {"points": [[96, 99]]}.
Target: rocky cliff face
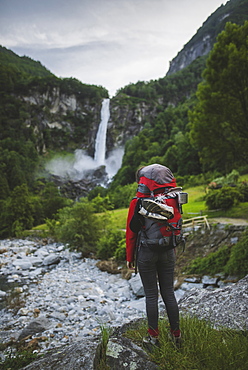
{"points": [[127, 118], [64, 122], [202, 42], [61, 121], [189, 53]]}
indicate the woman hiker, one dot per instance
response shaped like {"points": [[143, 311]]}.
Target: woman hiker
{"points": [[155, 265]]}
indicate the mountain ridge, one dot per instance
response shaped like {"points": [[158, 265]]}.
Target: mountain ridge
{"points": [[201, 43]]}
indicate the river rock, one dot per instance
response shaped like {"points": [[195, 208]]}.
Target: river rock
{"points": [[138, 304], [36, 261], [193, 279], [23, 264], [51, 259], [187, 286], [2, 294], [35, 327], [208, 280], [136, 285]]}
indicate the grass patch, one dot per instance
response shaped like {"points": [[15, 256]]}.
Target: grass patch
{"points": [[100, 358], [203, 347], [40, 231], [194, 209], [239, 211], [40, 227], [119, 217], [243, 177]]}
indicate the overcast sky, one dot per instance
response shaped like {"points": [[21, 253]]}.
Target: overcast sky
{"points": [[103, 42]]}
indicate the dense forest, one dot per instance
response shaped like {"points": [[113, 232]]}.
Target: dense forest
{"points": [[202, 116], [26, 200], [197, 126]]}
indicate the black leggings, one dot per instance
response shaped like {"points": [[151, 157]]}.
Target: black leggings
{"points": [[158, 266]]}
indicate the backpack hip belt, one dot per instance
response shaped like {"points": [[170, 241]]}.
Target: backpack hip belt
{"points": [[165, 241]]}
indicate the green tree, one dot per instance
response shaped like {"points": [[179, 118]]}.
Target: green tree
{"points": [[4, 187], [21, 205], [219, 121], [51, 200], [19, 213]]}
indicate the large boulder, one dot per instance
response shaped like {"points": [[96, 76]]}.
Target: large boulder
{"points": [[123, 354], [76, 356], [222, 307]]}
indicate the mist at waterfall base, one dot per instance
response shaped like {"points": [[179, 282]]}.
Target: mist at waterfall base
{"points": [[81, 166]]}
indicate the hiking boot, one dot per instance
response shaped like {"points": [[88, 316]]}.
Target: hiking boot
{"points": [[149, 342]]}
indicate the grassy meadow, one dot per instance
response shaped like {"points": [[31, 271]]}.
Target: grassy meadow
{"points": [[195, 207]]}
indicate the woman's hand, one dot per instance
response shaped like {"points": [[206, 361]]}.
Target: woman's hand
{"points": [[130, 265]]}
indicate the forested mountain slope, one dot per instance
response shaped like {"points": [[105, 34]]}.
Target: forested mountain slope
{"points": [[171, 121]]}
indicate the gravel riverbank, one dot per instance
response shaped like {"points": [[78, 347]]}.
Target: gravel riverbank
{"points": [[67, 297], [59, 298]]}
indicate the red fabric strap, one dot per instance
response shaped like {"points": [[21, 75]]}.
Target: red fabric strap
{"points": [[176, 333], [152, 185], [153, 333]]}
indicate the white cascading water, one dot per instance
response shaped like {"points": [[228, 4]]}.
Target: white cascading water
{"points": [[100, 145]]}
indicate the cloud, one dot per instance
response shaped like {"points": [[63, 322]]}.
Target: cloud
{"points": [[108, 43]]}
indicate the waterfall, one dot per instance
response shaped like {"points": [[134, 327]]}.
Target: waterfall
{"points": [[83, 164], [100, 146]]}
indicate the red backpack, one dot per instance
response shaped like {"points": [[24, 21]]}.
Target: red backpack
{"points": [[157, 217], [158, 220]]}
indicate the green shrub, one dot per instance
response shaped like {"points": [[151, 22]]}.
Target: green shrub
{"points": [[231, 260], [243, 188], [98, 190], [52, 201], [213, 263], [79, 226], [223, 198], [16, 212], [109, 242], [101, 204], [120, 253], [229, 180], [238, 261]]}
